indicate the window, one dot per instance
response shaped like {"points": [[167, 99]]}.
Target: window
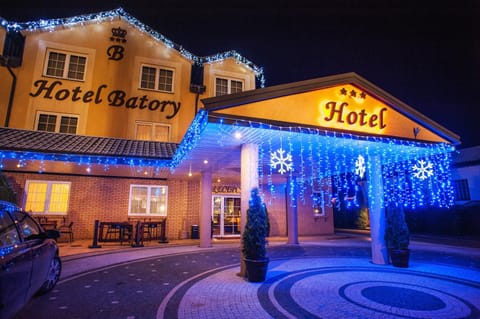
{"points": [[156, 78], [52, 122], [461, 189], [47, 197], [227, 86], [65, 65], [148, 200], [153, 132]]}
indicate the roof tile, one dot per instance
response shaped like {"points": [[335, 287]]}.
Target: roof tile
{"points": [[49, 142]]}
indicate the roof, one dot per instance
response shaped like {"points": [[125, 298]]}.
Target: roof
{"points": [[49, 142], [232, 100], [49, 24]]}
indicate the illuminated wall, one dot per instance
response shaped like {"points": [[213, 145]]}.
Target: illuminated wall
{"points": [[342, 107], [108, 100]]}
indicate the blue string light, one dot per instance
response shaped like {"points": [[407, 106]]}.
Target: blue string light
{"points": [[328, 159], [52, 24], [25, 157]]}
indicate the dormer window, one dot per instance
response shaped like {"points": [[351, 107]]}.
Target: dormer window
{"points": [[227, 86]]}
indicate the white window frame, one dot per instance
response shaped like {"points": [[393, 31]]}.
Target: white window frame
{"points": [[229, 84], [46, 210], [66, 68], [157, 68], [58, 120], [153, 127], [147, 213]]}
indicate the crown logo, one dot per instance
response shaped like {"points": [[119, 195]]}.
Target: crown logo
{"points": [[118, 35]]}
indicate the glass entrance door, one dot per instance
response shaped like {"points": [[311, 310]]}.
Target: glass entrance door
{"points": [[225, 215]]}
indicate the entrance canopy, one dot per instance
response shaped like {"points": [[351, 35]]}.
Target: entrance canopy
{"points": [[325, 133]]}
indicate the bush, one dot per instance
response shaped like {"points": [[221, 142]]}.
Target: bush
{"points": [[255, 233], [397, 235]]}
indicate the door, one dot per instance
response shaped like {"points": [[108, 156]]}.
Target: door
{"points": [[225, 216]]}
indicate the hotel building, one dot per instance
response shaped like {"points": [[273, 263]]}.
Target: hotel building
{"points": [[105, 119]]}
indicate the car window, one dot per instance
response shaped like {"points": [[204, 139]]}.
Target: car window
{"points": [[28, 226], [8, 233]]}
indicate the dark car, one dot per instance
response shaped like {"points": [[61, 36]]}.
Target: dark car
{"points": [[29, 260]]}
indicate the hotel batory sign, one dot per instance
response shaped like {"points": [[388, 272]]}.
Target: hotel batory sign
{"points": [[116, 98]]}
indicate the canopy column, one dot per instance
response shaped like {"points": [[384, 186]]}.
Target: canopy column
{"points": [[292, 214], [206, 210], [248, 180], [376, 211]]}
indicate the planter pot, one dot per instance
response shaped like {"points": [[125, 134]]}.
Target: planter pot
{"points": [[400, 257], [256, 269]]}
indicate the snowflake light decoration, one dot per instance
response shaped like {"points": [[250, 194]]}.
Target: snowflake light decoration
{"points": [[284, 161], [360, 166], [423, 170]]}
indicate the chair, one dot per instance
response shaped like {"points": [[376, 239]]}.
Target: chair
{"points": [[67, 230]]}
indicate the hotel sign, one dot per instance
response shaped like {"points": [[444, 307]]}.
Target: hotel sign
{"points": [[115, 98], [341, 113], [344, 108]]}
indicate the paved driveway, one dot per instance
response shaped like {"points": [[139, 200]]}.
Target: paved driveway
{"points": [[326, 279]]}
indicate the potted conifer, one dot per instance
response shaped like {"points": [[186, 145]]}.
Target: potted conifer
{"points": [[254, 239], [397, 236]]}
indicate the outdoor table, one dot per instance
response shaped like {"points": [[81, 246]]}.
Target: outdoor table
{"points": [[115, 231], [151, 230], [154, 230]]}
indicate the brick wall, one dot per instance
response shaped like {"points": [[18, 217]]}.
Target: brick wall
{"points": [[106, 199]]}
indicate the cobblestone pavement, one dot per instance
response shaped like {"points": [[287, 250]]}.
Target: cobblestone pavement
{"points": [[329, 277]]}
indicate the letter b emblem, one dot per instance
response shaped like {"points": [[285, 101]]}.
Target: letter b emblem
{"points": [[115, 52]]}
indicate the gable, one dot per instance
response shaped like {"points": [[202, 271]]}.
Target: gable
{"points": [[345, 106]]}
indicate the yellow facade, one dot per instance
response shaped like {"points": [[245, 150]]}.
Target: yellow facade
{"points": [[344, 107], [108, 101]]}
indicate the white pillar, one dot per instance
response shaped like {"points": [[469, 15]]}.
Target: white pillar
{"points": [[206, 210], [376, 211], [292, 213], [248, 180]]}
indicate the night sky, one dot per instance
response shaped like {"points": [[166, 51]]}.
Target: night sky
{"points": [[425, 53]]}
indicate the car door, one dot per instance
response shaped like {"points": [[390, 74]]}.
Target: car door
{"points": [[15, 267], [41, 248]]}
